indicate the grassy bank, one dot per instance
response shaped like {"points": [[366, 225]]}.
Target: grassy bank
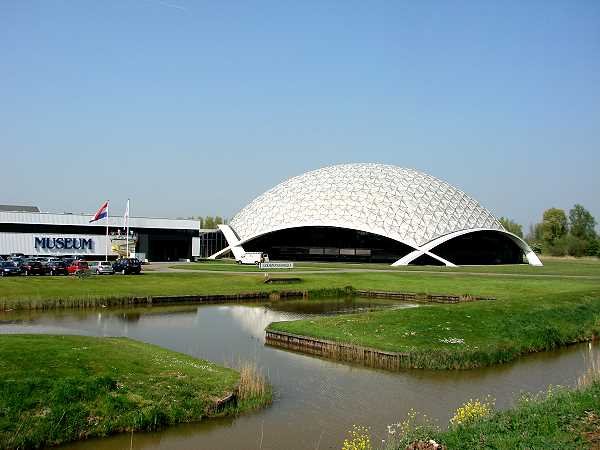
{"points": [[528, 315], [56, 389], [557, 419], [47, 292], [95, 291]]}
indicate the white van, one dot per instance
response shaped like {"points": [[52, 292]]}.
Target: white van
{"points": [[253, 258]]}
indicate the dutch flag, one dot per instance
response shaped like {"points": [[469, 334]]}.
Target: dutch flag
{"points": [[102, 212]]}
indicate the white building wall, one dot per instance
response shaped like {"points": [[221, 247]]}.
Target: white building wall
{"points": [[195, 246], [25, 243]]}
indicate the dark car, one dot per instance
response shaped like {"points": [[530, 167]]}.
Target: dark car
{"points": [[8, 268], [68, 260], [57, 267], [33, 267], [127, 266], [17, 260]]}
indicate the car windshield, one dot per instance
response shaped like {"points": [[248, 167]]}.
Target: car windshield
{"points": [[105, 263]]}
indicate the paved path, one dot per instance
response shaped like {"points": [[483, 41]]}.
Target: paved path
{"points": [[164, 267]]}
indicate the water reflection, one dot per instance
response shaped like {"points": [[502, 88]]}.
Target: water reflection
{"points": [[316, 400]]}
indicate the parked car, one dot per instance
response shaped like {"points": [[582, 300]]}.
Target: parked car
{"points": [[8, 268], [127, 266], [56, 267], [43, 261], [16, 261], [53, 259], [68, 260], [32, 267], [101, 267], [77, 267], [105, 267], [253, 258]]}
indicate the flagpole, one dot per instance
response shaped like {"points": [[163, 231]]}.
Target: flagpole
{"points": [[127, 226], [106, 243]]}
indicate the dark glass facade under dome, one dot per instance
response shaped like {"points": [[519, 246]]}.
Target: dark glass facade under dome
{"points": [[343, 244]]}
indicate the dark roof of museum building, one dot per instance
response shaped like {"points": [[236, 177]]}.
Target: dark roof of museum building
{"points": [[19, 208]]}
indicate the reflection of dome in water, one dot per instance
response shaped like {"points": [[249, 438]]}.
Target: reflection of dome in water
{"points": [[374, 212], [254, 320]]}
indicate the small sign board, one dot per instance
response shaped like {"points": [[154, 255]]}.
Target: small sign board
{"points": [[276, 265]]}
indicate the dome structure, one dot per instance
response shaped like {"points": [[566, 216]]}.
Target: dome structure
{"points": [[373, 212]]}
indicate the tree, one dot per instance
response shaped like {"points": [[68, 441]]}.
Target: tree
{"points": [[582, 223], [209, 223], [535, 234], [554, 225], [511, 226]]}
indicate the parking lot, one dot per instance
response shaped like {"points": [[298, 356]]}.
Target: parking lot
{"points": [[22, 265]]}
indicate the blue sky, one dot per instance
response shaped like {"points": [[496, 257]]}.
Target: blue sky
{"points": [[193, 107]]}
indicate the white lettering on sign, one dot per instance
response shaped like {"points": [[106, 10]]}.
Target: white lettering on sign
{"points": [[276, 265]]}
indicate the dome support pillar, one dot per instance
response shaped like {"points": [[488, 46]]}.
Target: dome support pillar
{"points": [[530, 255]]}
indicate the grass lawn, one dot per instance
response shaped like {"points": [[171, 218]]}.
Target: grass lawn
{"points": [[558, 419], [552, 266], [56, 389], [50, 292], [36, 292]]}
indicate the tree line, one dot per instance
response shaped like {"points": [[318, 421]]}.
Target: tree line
{"points": [[209, 222], [559, 234]]}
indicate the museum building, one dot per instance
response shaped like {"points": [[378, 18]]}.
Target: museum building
{"points": [[26, 230]]}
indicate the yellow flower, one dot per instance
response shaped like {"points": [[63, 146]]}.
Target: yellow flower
{"points": [[360, 439], [472, 410]]}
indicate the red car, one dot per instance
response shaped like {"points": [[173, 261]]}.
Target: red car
{"points": [[77, 267]]}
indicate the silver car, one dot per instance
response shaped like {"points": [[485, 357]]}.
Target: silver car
{"points": [[101, 267]]}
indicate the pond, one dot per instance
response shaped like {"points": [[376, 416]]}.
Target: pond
{"points": [[316, 401]]}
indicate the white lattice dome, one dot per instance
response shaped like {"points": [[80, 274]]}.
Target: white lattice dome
{"points": [[403, 204]]}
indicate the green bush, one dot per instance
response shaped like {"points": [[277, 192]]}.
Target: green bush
{"points": [[576, 246], [560, 247], [536, 247], [593, 248]]}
